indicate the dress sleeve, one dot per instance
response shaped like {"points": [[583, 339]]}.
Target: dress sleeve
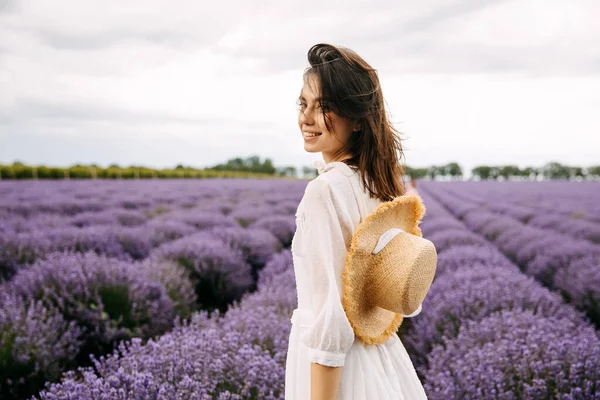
{"points": [[325, 229]]}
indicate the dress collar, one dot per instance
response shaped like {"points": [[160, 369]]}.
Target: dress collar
{"points": [[344, 168]]}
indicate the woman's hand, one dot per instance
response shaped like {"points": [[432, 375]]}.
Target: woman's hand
{"points": [[324, 381]]}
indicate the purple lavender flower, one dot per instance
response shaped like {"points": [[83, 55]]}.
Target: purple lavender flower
{"points": [[34, 222], [199, 219], [276, 271], [219, 272], [578, 229], [517, 355], [452, 237], [282, 227], [195, 360], [472, 294], [459, 256], [36, 345], [176, 280], [100, 239], [257, 245], [20, 249], [109, 217], [580, 285], [237, 355], [249, 213], [489, 225], [430, 225], [105, 296], [166, 230], [559, 256]]}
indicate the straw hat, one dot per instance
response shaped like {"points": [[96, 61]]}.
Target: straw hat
{"points": [[388, 270]]}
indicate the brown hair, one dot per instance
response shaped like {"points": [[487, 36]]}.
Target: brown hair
{"points": [[350, 88]]}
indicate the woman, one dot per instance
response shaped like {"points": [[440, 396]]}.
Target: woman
{"points": [[342, 115]]}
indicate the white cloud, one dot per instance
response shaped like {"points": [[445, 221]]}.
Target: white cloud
{"points": [[471, 81]]}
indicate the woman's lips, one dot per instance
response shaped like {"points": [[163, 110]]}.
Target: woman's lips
{"points": [[310, 135]]}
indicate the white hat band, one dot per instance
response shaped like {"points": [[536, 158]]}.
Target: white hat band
{"points": [[385, 238]]}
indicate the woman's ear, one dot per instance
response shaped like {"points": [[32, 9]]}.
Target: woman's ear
{"points": [[356, 126]]}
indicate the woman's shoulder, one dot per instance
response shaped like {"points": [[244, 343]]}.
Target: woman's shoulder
{"points": [[331, 198], [333, 182], [336, 188]]}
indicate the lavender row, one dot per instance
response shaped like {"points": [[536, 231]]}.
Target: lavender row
{"points": [[517, 354], [561, 214], [118, 233], [488, 331], [69, 198], [577, 200], [206, 270], [236, 355], [559, 262], [82, 304], [128, 220], [222, 262]]}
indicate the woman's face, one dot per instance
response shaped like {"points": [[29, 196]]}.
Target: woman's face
{"points": [[312, 120]]}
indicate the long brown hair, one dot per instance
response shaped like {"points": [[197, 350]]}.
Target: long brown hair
{"points": [[350, 88]]}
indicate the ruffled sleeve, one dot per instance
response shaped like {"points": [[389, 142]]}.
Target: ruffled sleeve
{"points": [[325, 229]]}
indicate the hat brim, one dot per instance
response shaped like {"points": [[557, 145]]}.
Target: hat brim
{"points": [[373, 324]]}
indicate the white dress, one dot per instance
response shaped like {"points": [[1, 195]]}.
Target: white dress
{"points": [[326, 219]]}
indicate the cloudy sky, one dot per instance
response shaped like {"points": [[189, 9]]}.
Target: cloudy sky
{"points": [[162, 82]]}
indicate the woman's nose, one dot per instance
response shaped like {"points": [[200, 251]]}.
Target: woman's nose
{"points": [[306, 116]]}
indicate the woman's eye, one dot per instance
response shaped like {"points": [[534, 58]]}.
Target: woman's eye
{"points": [[322, 106]]}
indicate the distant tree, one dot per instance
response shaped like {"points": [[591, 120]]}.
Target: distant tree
{"points": [[433, 171], [555, 170], [495, 172], [453, 169], [290, 171], [419, 173], [309, 172], [482, 172], [527, 172], [286, 171], [253, 162], [250, 164], [577, 172], [593, 170], [236, 163], [267, 166], [509, 171]]}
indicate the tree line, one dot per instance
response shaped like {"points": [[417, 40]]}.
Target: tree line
{"points": [[20, 170], [551, 170], [256, 168]]}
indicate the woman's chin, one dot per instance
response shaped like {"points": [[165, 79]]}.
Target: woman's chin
{"points": [[311, 149]]}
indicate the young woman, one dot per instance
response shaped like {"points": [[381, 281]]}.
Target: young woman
{"points": [[342, 115]]}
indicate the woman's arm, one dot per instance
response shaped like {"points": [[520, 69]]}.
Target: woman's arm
{"points": [[324, 381], [322, 250]]}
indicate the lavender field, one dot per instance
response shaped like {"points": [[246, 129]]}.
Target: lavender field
{"points": [[178, 289]]}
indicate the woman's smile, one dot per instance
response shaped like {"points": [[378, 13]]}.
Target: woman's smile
{"points": [[310, 135]]}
